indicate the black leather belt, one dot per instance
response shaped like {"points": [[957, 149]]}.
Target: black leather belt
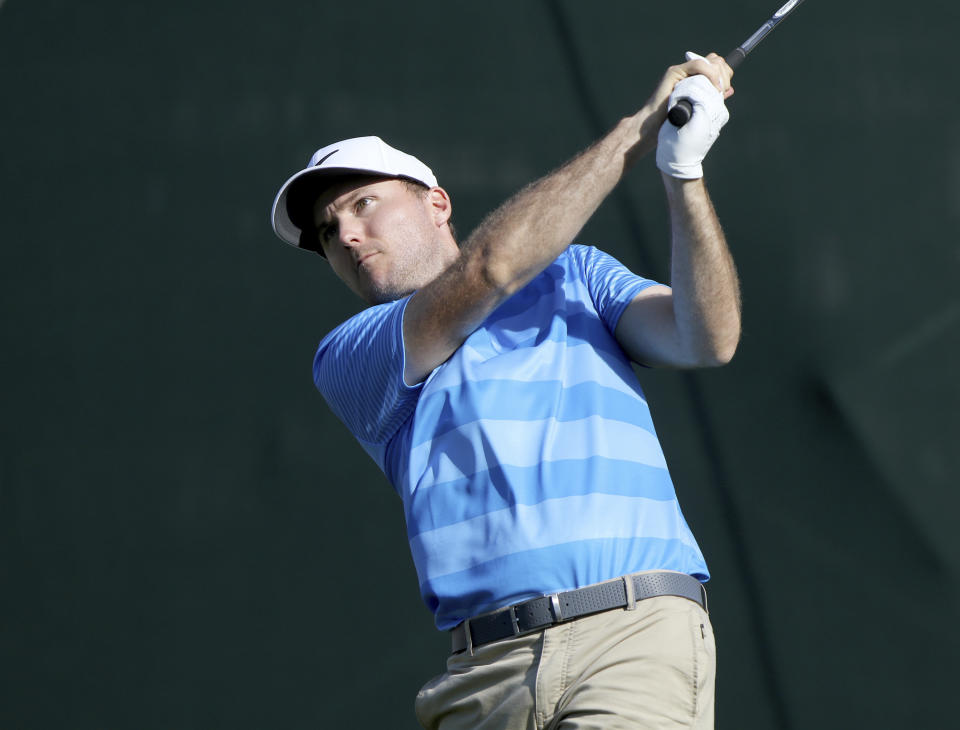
{"points": [[541, 613]]}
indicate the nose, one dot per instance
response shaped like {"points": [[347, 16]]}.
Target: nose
{"points": [[350, 232]]}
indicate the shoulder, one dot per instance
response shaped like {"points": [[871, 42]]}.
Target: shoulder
{"points": [[372, 322], [358, 369], [588, 260], [370, 341]]}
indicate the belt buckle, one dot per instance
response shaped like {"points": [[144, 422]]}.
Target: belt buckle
{"points": [[515, 621]]}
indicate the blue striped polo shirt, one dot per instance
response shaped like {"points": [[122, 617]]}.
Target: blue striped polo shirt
{"points": [[528, 462]]}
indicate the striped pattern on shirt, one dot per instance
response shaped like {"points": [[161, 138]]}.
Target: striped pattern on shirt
{"points": [[528, 462]]}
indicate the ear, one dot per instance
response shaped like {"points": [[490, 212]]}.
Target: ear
{"points": [[440, 206]]}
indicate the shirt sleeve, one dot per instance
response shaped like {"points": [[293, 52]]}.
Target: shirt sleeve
{"points": [[612, 285], [358, 369]]}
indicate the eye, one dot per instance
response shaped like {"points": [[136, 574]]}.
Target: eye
{"points": [[362, 203], [327, 232]]}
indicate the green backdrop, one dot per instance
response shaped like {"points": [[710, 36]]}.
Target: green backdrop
{"points": [[189, 539]]}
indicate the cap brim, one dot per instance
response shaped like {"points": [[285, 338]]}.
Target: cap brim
{"points": [[283, 224]]}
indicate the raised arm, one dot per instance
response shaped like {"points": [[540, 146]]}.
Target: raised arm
{"points": [[697, 322], [524, 235]]}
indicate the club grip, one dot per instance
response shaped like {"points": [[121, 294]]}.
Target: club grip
{"points": [[681, 112]]}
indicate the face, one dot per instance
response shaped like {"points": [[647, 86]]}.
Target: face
{"points": [[383, 239]]}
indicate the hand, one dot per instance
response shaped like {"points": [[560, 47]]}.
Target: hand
{"points": [[654, 112], [712, 66], [680, 151]]}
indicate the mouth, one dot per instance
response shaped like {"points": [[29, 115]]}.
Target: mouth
{"points": [[363, 259]]}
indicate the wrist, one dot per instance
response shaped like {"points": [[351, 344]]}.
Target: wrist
{"points": [[651, 118], [679, 185], [684, 195], [645, 126]]}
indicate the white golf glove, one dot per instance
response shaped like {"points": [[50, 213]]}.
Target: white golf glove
{"points": [[681, 150]]}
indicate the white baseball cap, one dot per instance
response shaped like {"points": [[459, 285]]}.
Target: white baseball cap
{"points": [[363, 155]]}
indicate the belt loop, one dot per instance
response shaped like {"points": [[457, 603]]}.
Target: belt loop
{"points": [[469, 634], [555, 605], [514, 621], [703, 592], [631, 592]]}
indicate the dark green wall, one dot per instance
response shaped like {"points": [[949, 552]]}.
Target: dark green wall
{"points": [[188, 538]]}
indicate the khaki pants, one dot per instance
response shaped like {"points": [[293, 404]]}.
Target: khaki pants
{"points": [[652, 667]]}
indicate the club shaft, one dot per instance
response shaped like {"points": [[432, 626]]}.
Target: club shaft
{"points": [[680, 114]]}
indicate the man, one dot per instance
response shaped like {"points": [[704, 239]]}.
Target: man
{"points": [[492, 384]]}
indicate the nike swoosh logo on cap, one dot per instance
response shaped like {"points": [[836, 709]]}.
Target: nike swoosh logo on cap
{"points": [[327, 157]]}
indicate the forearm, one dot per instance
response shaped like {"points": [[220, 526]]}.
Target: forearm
{"points": [[524, 235], [519, 239], [706, 290]]}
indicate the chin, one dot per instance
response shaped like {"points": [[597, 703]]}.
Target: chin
{"points": [[380, 287], [382, 295]]}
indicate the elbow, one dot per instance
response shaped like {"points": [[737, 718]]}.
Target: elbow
{"points": [[715, 353], [720, 358], [480, 264], [499, 275], [496, 277], [720, 354], [723, 344]]}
